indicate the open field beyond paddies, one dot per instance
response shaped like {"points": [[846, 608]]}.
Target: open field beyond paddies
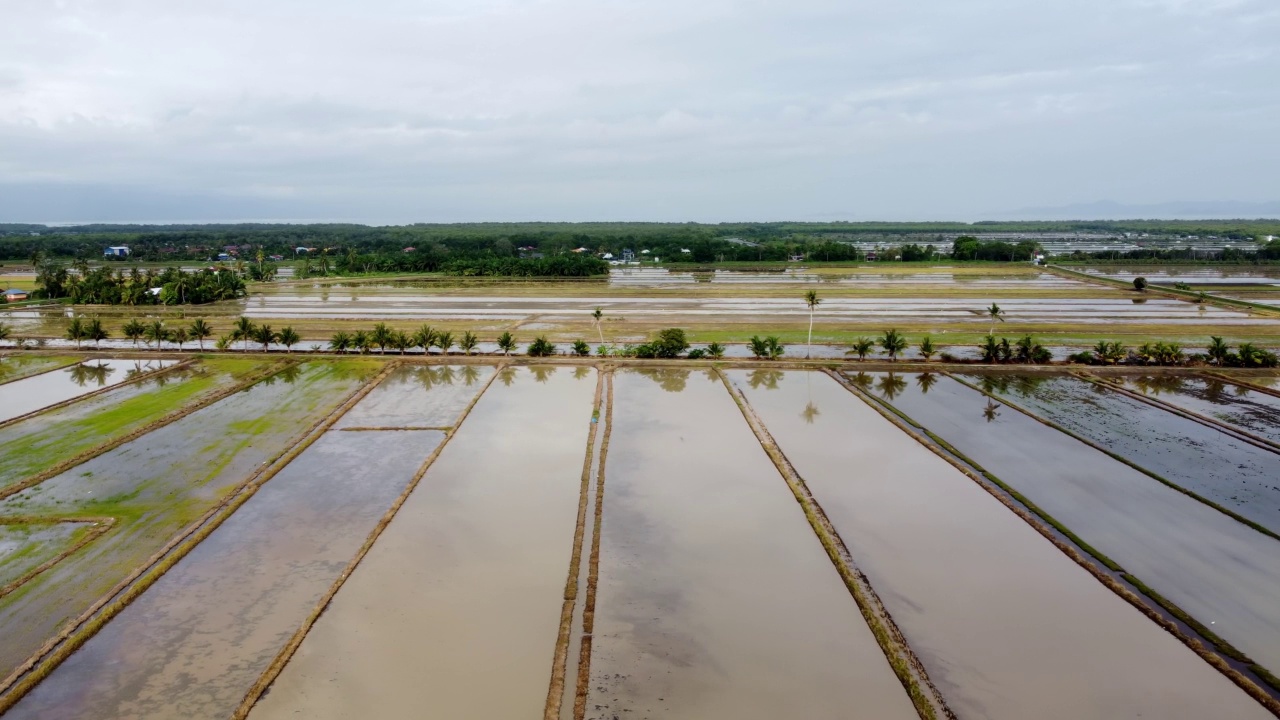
{"points": [[265, 536], [946, 302]]}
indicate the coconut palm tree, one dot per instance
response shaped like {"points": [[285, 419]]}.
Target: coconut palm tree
{"points": [[95, 331], [289, 337], [861, 347], [265, 335], [1218, 350], [506, 343], [468, 342], [927, 350], [223, 342], [243, 330], [598, 315], [199, 330], [893, 343], [340, 342], [810, 299], [76, 331], [360, 341], [444, 341], [156, 333], [581, 348], [715, 350], [179, 335], [381, 336], [990, 349], [401, 341], [995, 313], [424, 338]]}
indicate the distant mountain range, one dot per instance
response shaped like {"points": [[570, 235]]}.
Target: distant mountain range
{"points": [[1111, 210]]}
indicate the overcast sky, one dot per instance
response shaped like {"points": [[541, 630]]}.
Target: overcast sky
{"points": [[393, 111]]}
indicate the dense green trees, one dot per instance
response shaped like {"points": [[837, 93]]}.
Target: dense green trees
{"points": [[106, 286]]}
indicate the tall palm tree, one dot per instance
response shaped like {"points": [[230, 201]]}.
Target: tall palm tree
{"points": [[243, 330], [995, 313], [156, 333], [381, 336], [360, 341], [265, 335], [179, 335], [134, 330], [76, 331], [200, 330], [598, 315], [95, 331], [893, 343], [810, 299]]}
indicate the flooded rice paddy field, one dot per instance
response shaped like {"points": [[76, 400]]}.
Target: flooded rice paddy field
{"points": [[172, 653], [1262, 275], [700, 612], [1222, 572], [16, 367], [55, 386], [455, 612], [43, 441], [1250, 410], [1224, 469], [1007, 626], [154, 486], [709, 594]]}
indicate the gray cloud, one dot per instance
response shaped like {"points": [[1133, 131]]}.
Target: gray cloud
{"points": [[399, 111]]}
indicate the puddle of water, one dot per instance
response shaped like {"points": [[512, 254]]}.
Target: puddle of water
{"points": [[1007, 626], [178, 652], [1218, 570], [1212, 464], [455, 611], [715, 597], [23, 548], [1237, 405], [23, 396], [156, 485]]}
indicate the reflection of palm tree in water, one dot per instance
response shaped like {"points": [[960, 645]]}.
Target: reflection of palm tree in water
{"points": [[507, 376], [991, 411], [891, 386], [670, 380], [768, 378], [84, 373], [581, 372], [926, 381], [810, 413], [542, 374], [861, 380], [470, 375]]}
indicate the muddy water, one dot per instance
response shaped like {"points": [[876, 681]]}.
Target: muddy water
{"points": [[178, 652], [455, 611], [716, 599], [1214, 465], [24, 396], [1237, 405], [155, 486], [1007, 626], [423, 396], [1217, 569]]}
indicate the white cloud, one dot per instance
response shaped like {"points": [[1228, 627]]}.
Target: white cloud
{"points": [[646, 109]]}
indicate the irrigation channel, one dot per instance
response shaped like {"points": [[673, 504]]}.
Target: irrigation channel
{"points": [[1007, 626], [266, 537], [1221, 572]]}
